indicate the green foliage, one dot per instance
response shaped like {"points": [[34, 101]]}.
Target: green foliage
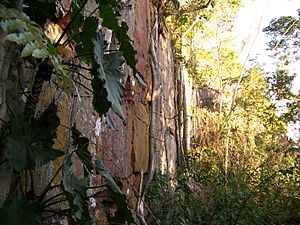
{"points": [[109, 71], [107, 74], [281, 84], [85, 44], [73, 189], [123, 212], [100, 168], [293, 110], [26, 32], [176, 4], [29, 142], [100, 101], [284, 32], [241, 168], [249, 196], [110, 12], [82, 144], [75, 192], [84, 28], [113, 77], [106, 68], [284, 49], [85, 157], [18, 209]]}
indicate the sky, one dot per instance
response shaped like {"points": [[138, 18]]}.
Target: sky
{"points": [[251, 19], [257, 14]]}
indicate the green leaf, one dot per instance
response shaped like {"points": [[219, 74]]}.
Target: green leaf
{"points": [[19, 38], [78, 21], [30, 140], [100, 101], [110, 122], [6, 13], [81, 144], [10, 26], [77, 186], [28, 49], [19, 210], [40, 53], [123, 213], [108, 15], [289, 170], [75, 191], [126, 46], [88, 33], [109, 12], [23, 31], [293, 149], [107, 176], [113, 81], [176, 4], [109, 71]]}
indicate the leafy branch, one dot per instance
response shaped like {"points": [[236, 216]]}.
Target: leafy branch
{"points": [[26, 32]]}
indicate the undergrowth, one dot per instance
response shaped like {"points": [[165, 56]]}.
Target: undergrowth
{"points": [[201, 196]]}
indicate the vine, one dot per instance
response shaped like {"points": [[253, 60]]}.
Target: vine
{"points": [[27, 141]]}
